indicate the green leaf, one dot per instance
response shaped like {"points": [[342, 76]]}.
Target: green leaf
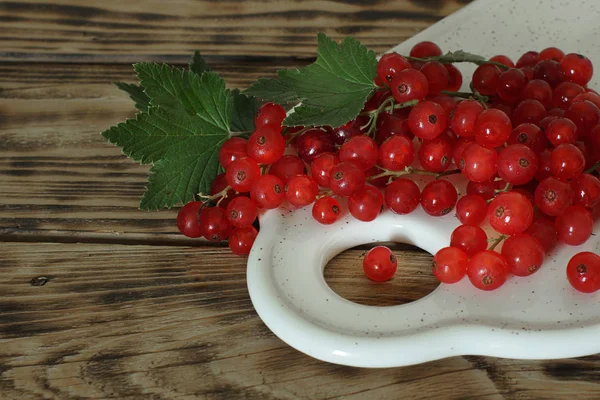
{"points": [[332, 90], [244, 110], [136, 93], [189, 118], [198, 65]]}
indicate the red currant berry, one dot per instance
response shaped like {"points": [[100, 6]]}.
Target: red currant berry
{"points": [[528, 71], [531, 111], [346, 178], [504, 60], [589, 96], [471, 209], [241, 212], [585, 115], [511, 84], [586, 190], [402, 196], [365, 204], [360, 150], [565, 93], [377, 99], [492, 128], [469, 238], [286, 166], [321, 167], [214, 224], [437, 76], [523, 253], [483, 189], [188, 219], [487, 270], [425, 50], [566, 161], [553, 196], [529, 135], [314, 142], [242, 239], [458, 149], [427, 120], [517, 164], [301, 190], [269, 114], [485, 79], [409, 84], [326, 210], [232, 149], [438, 198], [448, 103], [574, 226], [510, 213], [455, 79], [380, 264], [544, 230], [396, 153], [529, 59], [435, 155], [242, 173], [560, 131], [539, 90], [465, 115], [450, 265], [548, 71], [345, 132], [268, 192], [577, 68], [583, 272], [543, 171], [479, 164], [389, 65], [552, 53], [266, 145], [392, 125]]}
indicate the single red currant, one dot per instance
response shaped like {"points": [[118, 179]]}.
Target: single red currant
{"points": [[492, 128], [577, 68], [380, 264], [455, 79], [510, 213], [529, 135], [583, 272], [427, 120], [301, 190], [589, 96], [529, 59], [574, 226], [389, 65], [438, 198], [566, 161], [396, 153], [314, 142], [269, 114], [392, 125], [548, 71], [326, 210], [361, 151], [437, 76], [539, 90], [565, 93], [232, 149], [425, 50], [450, 265], [346, 178], [242, 239], [286, 166], [469, 238], [585, 115], [586, 190], [504, 60], [465, 115], [266, 145], [365, 204], [320, 169], [242, 173], [241, 212], [528, 110], [268, 192], [561, 130], [517, 164], [478, 163], [214, 224], [552, 53], [402, 196], [524, 254], [409, 84], [435, 155], [345, 132], [544, 230], [511, 84], [553, 196], [188, 219], [485, 79], [487, 270], [471, 209]]}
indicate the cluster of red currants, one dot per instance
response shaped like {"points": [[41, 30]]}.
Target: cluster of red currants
{"points": [[527, 138]]}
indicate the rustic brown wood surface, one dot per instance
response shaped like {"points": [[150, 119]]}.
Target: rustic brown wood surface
{"points": [[100, 300]]}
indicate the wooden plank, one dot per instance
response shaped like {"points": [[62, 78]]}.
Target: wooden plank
{"points": [[128, 31], [150, 322]]}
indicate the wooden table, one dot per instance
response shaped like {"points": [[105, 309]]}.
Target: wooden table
{"points": [[101, 300]]}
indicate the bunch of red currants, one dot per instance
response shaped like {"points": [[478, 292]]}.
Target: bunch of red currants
{"points": [[526, 137]]}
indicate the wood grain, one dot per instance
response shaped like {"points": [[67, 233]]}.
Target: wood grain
{"points": [[154, 322], [114, 31]]}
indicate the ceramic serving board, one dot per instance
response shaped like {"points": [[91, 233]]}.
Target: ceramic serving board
{"points": [[537, 317]]}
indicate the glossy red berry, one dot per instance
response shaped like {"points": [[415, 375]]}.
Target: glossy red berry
{"points": [[469, 238], [409, 84], [471, 209], [565, 93], [458, 150], [346, 178], [402, 196], [511, 84], [266, 145], [214, 224], [517, 164], [549, 71], [528, 110], [288, 165], [314, 142], [361, 151], [583, 272], [523, 253], [321, 167], [425, 49], [241, 212], [487, 270], [269, 114], [504, 60], [566, 161], [589, 96], [438, 197], [455, 79], [478, 163], [345, 132], [529, 59], [492, 128], [242, 173], [553, 196], [539, 90], [437, 76], [510, 213], [232, 149], [301, 190], [485, 79], [586, 190], [574, 226], [450, 265], [366, 204], [392, 125], [552, 53], [465, 115], [380, 264], [188, 219], [435, 155], [529, 135], [242, 239], [326, 210], [427, 120], [483, 189], [577, 68], [396, 153], [560, 131], [268, 192], [585, 115], [544, 230], [389, 65]]}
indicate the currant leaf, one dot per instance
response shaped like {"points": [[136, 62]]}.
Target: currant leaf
{"points": [[198, 65], [332, 90], [244, 110], [136, 93]]}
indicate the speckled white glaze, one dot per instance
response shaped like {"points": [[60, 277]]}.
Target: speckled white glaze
{"points": [[538, 317]]}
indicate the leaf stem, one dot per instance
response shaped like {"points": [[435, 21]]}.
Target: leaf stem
{"points": [[592, 168], [498, 241]]}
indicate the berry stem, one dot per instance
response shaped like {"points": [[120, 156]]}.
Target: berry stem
{"points": [[376, 112], [498, 241], [504, 189], [220, 196], [592, 168], [411, 170]]}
